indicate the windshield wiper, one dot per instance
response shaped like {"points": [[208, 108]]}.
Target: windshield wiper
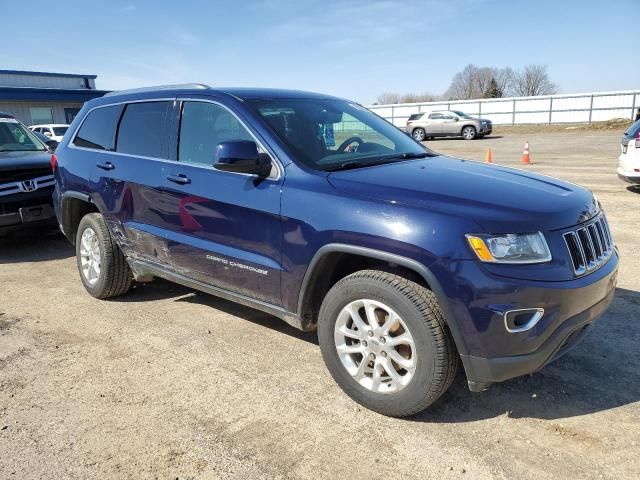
{"points": [[380, 161], [408, 155], [348, 165]]}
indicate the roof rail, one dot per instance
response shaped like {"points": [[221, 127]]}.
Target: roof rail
{"points": [[186, 86]]}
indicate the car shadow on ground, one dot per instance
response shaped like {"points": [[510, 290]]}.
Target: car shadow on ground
{"points": [[634, 189], [440, 139], [599, 374], [161, 289], [34, 246]]}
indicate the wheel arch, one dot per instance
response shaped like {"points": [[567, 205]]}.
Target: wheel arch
{"points": [[74, 206], [325, 263], [470, 124]]}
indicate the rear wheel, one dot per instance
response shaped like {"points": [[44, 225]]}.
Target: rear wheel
{"points": [[419, 134], [104, 271], [384, 341], [469, 132]]}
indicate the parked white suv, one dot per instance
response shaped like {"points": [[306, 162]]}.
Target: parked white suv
{"points": [[447, 123], [629, 159], [54, 131]]}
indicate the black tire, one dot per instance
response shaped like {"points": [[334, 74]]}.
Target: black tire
{"points": [[419, 134], [437, 359], [115, 276], [473, 133]]}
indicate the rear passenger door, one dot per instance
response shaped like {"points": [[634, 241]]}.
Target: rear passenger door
{"points": [[223, 228], [127, 175], [434, 123]]}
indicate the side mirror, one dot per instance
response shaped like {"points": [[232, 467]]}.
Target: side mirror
{"points": [[48, 134], [456, 119], [52, 144], [242, 156]]}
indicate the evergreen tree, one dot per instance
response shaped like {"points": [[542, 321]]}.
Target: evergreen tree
{"points": [[493, 90]]}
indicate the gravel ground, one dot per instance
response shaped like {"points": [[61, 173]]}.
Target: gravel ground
{"points": [[169, 383]]}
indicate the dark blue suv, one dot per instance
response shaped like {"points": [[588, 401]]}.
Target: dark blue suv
{"points": [[319, 212]]}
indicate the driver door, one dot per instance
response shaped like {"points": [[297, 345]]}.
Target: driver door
{"points": [[450, 124]]}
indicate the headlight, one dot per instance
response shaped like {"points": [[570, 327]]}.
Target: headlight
{"points": [[510, 248]]}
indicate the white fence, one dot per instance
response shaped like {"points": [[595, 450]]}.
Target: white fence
{"points": [[572, 108]]}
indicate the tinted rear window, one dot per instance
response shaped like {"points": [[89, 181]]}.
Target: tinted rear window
{"points": [[416, 116], [141, 130], [98, 129]]}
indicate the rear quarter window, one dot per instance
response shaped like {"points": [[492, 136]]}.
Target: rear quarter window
{"points": [[141, 130], [98, 130], [416, 116]]}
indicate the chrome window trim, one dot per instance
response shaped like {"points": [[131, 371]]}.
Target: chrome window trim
{"points": [[276, 160]]}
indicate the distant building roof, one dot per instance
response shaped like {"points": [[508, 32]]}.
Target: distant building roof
{"points": [[47, 74], [49, 94]]}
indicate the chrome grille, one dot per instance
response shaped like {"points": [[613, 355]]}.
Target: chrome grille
{"points": [[590, 245], [28, 185]]}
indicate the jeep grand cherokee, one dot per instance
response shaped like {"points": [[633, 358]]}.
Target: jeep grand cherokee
{"points": [[316, 210]]}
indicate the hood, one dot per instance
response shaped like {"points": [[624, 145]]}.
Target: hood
{"points": [[499, 199], [13, 161]]}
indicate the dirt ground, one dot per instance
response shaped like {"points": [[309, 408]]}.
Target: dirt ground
{"points": [[169, 383]]}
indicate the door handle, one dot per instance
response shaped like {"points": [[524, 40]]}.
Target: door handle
{"points": [[179, 179], [106, 165]]}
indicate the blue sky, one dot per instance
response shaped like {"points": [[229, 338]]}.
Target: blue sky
{"points": [[351, 48]]}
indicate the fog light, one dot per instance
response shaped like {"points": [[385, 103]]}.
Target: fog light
{"points": [[522, 319]]}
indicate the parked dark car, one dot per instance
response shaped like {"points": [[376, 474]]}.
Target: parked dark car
{"points": [[26, 178], [316, 210], [49, 142]]}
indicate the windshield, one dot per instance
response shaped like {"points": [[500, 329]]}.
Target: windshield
{"points": [[334, 134], [460, 114], [60, 131], [14, 137]]}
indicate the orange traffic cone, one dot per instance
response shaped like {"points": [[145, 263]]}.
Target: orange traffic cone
{"points": [[488, 158], [526, 159]]}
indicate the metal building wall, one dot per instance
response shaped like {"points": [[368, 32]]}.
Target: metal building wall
{"points": [[22, 110]]}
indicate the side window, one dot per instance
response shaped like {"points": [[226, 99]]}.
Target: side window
{"points": [[435, 116], [447, 117], [141, 130], [98, 130], [202, 126]]}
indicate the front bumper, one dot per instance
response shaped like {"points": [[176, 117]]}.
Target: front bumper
{"points": [[478, 301], [482, 372], [629, 176], [35, 215]]}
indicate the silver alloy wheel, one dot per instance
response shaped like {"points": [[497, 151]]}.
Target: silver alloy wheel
{"points": [[375, 346], [90, 256], [468, 133], [418, 134]]}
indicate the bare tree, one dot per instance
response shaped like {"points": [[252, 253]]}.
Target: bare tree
{"points": [[388, 97], [417, 97], [533, 80], [474, 82]]}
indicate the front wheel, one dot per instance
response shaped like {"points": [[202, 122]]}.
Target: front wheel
{"points": [[469, 132], [419, 134], [104, 270], [385, 342]]}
